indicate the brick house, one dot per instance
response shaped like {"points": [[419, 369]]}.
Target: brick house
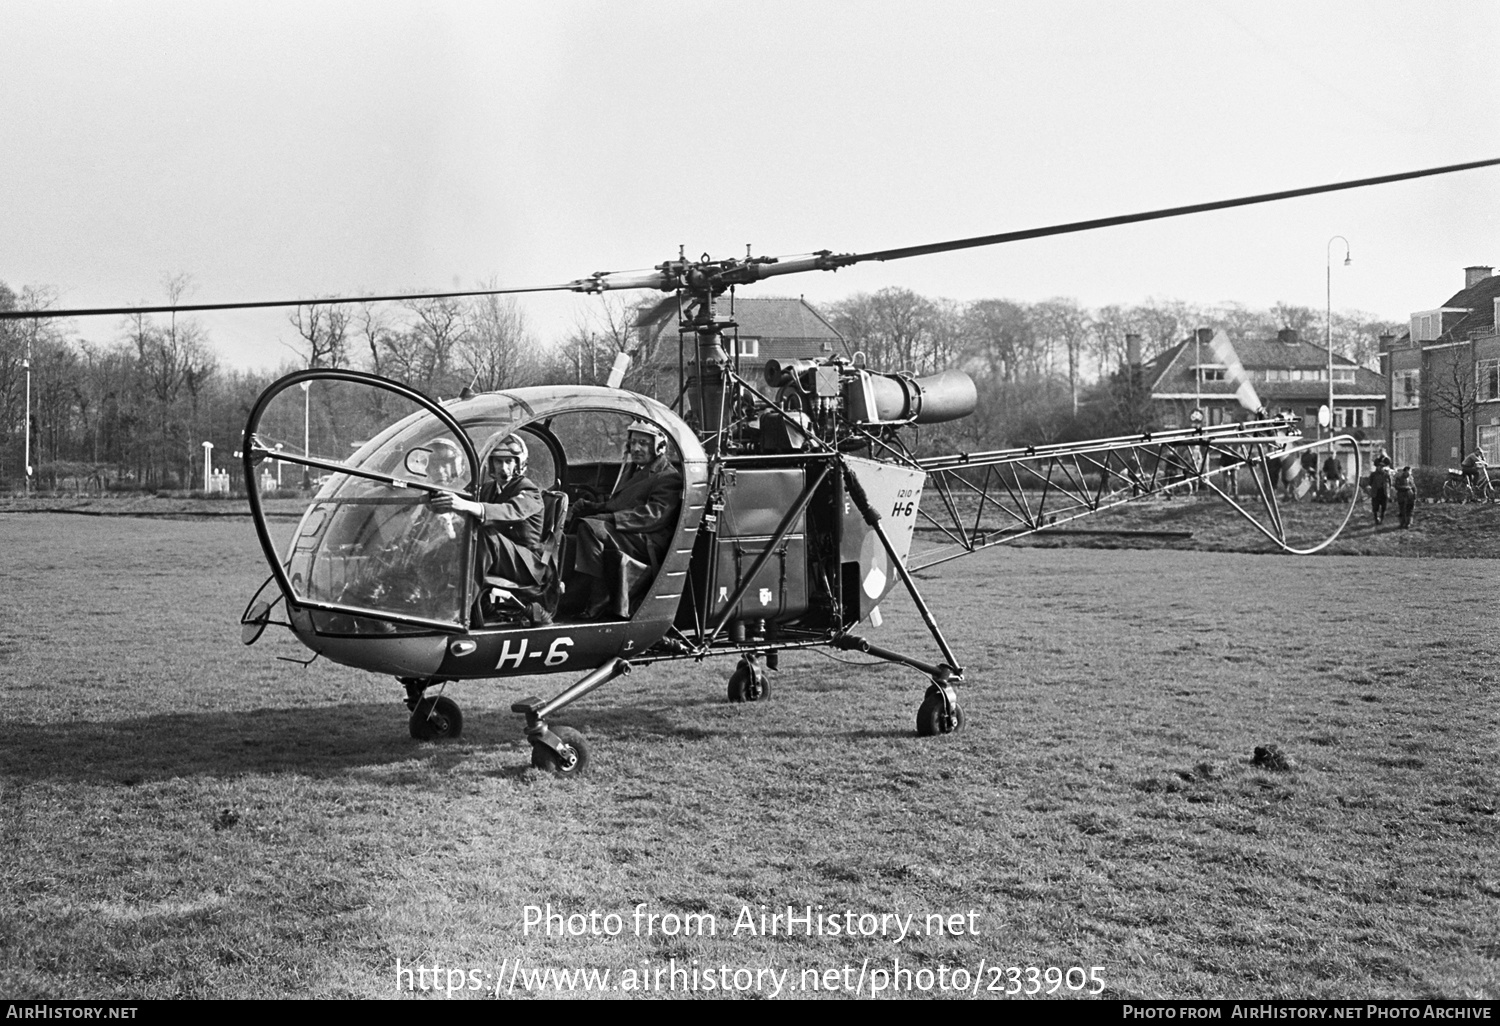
{"points": [[1289, 375], [769, 328], [1443, 377]]}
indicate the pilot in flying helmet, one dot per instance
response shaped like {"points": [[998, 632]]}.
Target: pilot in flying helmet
{"points": [[509, 460], [645, 443], [445, 465]]}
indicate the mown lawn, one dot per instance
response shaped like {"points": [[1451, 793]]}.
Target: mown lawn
{"points": [[181, 816]]}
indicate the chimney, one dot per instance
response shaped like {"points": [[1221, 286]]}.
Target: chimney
{"points": [[1133, 350], [1287, 336], [1205, 336], [1476, 274], [1385, 342]]}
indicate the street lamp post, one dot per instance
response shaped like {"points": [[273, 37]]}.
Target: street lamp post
{"points": [[305, 420], [27, 426], [1328, 322], [306, 436]]}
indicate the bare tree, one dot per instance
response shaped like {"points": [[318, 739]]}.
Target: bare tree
{"points": [[1000, 340], [1304, 320], [1108, 327], [325, 331], [899, 330], [497, 349], [1162, 323], [426, 351], [1450, 389], [172, 365], [1065, 327], [1357, 335]]}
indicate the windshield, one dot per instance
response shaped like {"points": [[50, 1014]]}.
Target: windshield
{"points": [[364, 543]]}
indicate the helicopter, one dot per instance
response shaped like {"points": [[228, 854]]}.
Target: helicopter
{"points": [[801, 498]]}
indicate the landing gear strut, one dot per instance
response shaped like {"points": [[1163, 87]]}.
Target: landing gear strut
{"points": [[563, 752]]}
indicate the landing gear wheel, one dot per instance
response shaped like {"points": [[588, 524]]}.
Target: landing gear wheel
{"points": [[748, 683], [930, 716], [571, 761], [436, 718]]}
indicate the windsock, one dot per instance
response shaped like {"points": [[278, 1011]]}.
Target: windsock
{"points": [[1234, 371]]}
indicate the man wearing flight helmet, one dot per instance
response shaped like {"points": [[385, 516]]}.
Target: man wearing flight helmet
{"points": [[509, 511], [621, 541]]}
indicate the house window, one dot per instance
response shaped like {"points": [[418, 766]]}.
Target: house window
{"points": [[1354, 416], [1489, 441], [1487, 379], [1344, 375], [1408, 391], [1211, 373], [1404, 449], [743, 346]]}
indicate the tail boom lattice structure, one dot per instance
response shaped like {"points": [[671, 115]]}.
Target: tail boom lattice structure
{"points": [[991, 498]]}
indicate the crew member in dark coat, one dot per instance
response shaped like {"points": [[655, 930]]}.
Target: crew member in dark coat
{"points": [[1406, 494], [1380, 483], [637, 522], [510, 515]]}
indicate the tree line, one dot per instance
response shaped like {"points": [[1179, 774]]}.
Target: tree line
{"points": [[130, 405], [1056, 371]]}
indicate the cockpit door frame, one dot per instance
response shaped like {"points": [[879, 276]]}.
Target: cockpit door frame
{"points": [[252, 452]]}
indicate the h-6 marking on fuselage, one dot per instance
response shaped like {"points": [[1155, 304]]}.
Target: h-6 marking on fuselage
{"points": [[555, 655]]}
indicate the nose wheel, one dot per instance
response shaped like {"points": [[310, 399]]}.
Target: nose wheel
{"points": [[749, 682], [568, 757], [939, 712], [436, 719]]}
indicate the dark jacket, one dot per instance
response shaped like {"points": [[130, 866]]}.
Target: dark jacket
{"points": [[645, 502], [511, 530]]}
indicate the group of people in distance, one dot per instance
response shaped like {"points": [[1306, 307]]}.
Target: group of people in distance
{"points": [[1382, 480], [618, 542]]}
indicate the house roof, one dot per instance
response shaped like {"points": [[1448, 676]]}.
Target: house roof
{"points": [[770, 317], [1479, 300], [1171, 372]]}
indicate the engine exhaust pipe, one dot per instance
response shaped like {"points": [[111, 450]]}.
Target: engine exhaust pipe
{"points": [[901, 398]]}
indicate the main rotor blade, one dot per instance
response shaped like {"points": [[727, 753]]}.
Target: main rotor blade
{"points": [[669, 276], [98, 311], [1150, 215]]}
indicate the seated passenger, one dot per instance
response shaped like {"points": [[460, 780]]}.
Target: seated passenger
{"points": [[510, 515], [621, 541]]}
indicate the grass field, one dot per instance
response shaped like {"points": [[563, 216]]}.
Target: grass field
{"points": [[184, 817]]}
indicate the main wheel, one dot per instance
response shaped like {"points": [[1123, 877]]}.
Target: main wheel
{"points": [[436, 718], [930, 716], [747, 684], [1453, 491], [572, 760]]}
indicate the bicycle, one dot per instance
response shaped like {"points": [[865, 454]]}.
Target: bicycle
{"points": [[1460, 488]]}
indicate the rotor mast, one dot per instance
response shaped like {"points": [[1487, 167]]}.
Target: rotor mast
{"points": [[702, 282]]}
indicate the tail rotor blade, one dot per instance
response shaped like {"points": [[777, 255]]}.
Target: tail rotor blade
{"points": [[1234, 371]]}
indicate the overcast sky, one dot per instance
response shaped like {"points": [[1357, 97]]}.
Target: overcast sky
{"points": [[285, 150]]}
